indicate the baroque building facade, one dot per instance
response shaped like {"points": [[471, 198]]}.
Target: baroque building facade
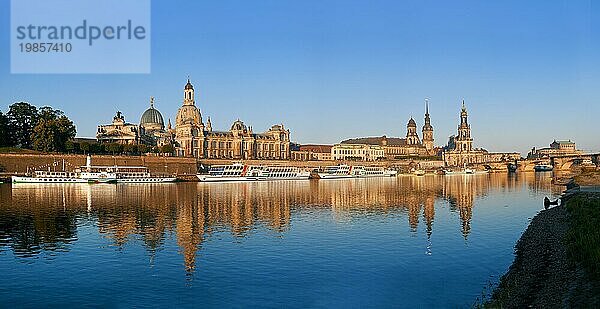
{"points": [[410, 146], [118, 131], [460, 151], [195, 139], [150, 131], [557, 148]]}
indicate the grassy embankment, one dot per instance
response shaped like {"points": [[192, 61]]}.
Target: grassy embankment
{"points": [[583, 237]]}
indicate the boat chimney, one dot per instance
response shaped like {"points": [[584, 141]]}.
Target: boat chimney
{"points": [[88, 163]]}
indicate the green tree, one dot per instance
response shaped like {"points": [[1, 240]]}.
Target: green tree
{"points": [[73, 147], [85, 147], [130, 149], [52, 131], [4, 133], [114, 148], [22, 118], [168, 148], [142, 148]]}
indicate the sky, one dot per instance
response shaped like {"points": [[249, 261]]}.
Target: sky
{"points": [[529, 71]]}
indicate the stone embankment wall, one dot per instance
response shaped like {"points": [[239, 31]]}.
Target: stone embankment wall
{"points": [[19, 163]]}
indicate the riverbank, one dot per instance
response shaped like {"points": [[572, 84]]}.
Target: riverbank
{"points": [[556, 259]]}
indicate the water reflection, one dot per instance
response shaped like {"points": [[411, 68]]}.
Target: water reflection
{"points": [[41, 219]]}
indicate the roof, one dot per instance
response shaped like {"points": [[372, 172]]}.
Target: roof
{"points": [[188, 85], [412, 123], [391, 141], [564, 142], [316, 148], [152, 116]]}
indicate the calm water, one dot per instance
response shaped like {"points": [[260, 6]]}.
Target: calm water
{"points": [[401, 242]]}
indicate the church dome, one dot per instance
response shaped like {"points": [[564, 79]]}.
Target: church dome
{"points": [[188, 114], [238, 125], [152, 117]]}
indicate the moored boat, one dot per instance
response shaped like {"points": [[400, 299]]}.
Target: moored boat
{"points": [[543, 168], [49, 177], [372, 171], [336, 172], [419, 172], [120, 174], [139, 174], [241, 172]]}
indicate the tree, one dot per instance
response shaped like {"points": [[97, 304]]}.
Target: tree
{"points": [[85, 147], [114, 148], [167, 148], [73, 147], [52, 131], [22, 118], [4, 133], [130, 149], [142, 148]]}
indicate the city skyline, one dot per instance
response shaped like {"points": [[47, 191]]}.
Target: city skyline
{"points": [[329, 80]]}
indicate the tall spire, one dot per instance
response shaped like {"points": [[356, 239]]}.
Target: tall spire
{"points": [[426, 106]]}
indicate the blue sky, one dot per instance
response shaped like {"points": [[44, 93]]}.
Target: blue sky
{"points": [[330, 70]]}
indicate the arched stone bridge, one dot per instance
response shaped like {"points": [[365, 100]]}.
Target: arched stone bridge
{"points": [[560, 163], [565, 162]]}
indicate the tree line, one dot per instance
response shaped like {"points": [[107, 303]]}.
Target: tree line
{"points": [[28, 127]]}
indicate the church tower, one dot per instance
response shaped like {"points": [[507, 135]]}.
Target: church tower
{"points": [[428, 130], [188, 94], [463, 141], [189, 129], [412, 138]]}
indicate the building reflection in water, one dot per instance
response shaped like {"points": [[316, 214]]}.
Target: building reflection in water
{"points": [[37, 219]]}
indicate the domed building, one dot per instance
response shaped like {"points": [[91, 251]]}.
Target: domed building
{"points": [[152, 128], [195, 139], [152, 119]]}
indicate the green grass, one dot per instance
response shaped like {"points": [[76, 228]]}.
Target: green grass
{"points": [[583, 238]]}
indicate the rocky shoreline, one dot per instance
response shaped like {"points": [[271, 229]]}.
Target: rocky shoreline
{"points": [[542, 276]]}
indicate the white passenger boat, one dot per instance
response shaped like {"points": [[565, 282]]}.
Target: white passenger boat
{"points": [[139, 174], [120, 174], [49, 177], [241, 172], [419, 172], [465, 171], [282, 172], [97, 173], [335, 172], [372, 171]]}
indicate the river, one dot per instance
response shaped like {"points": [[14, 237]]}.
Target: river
{"points": [[430, 241]]}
